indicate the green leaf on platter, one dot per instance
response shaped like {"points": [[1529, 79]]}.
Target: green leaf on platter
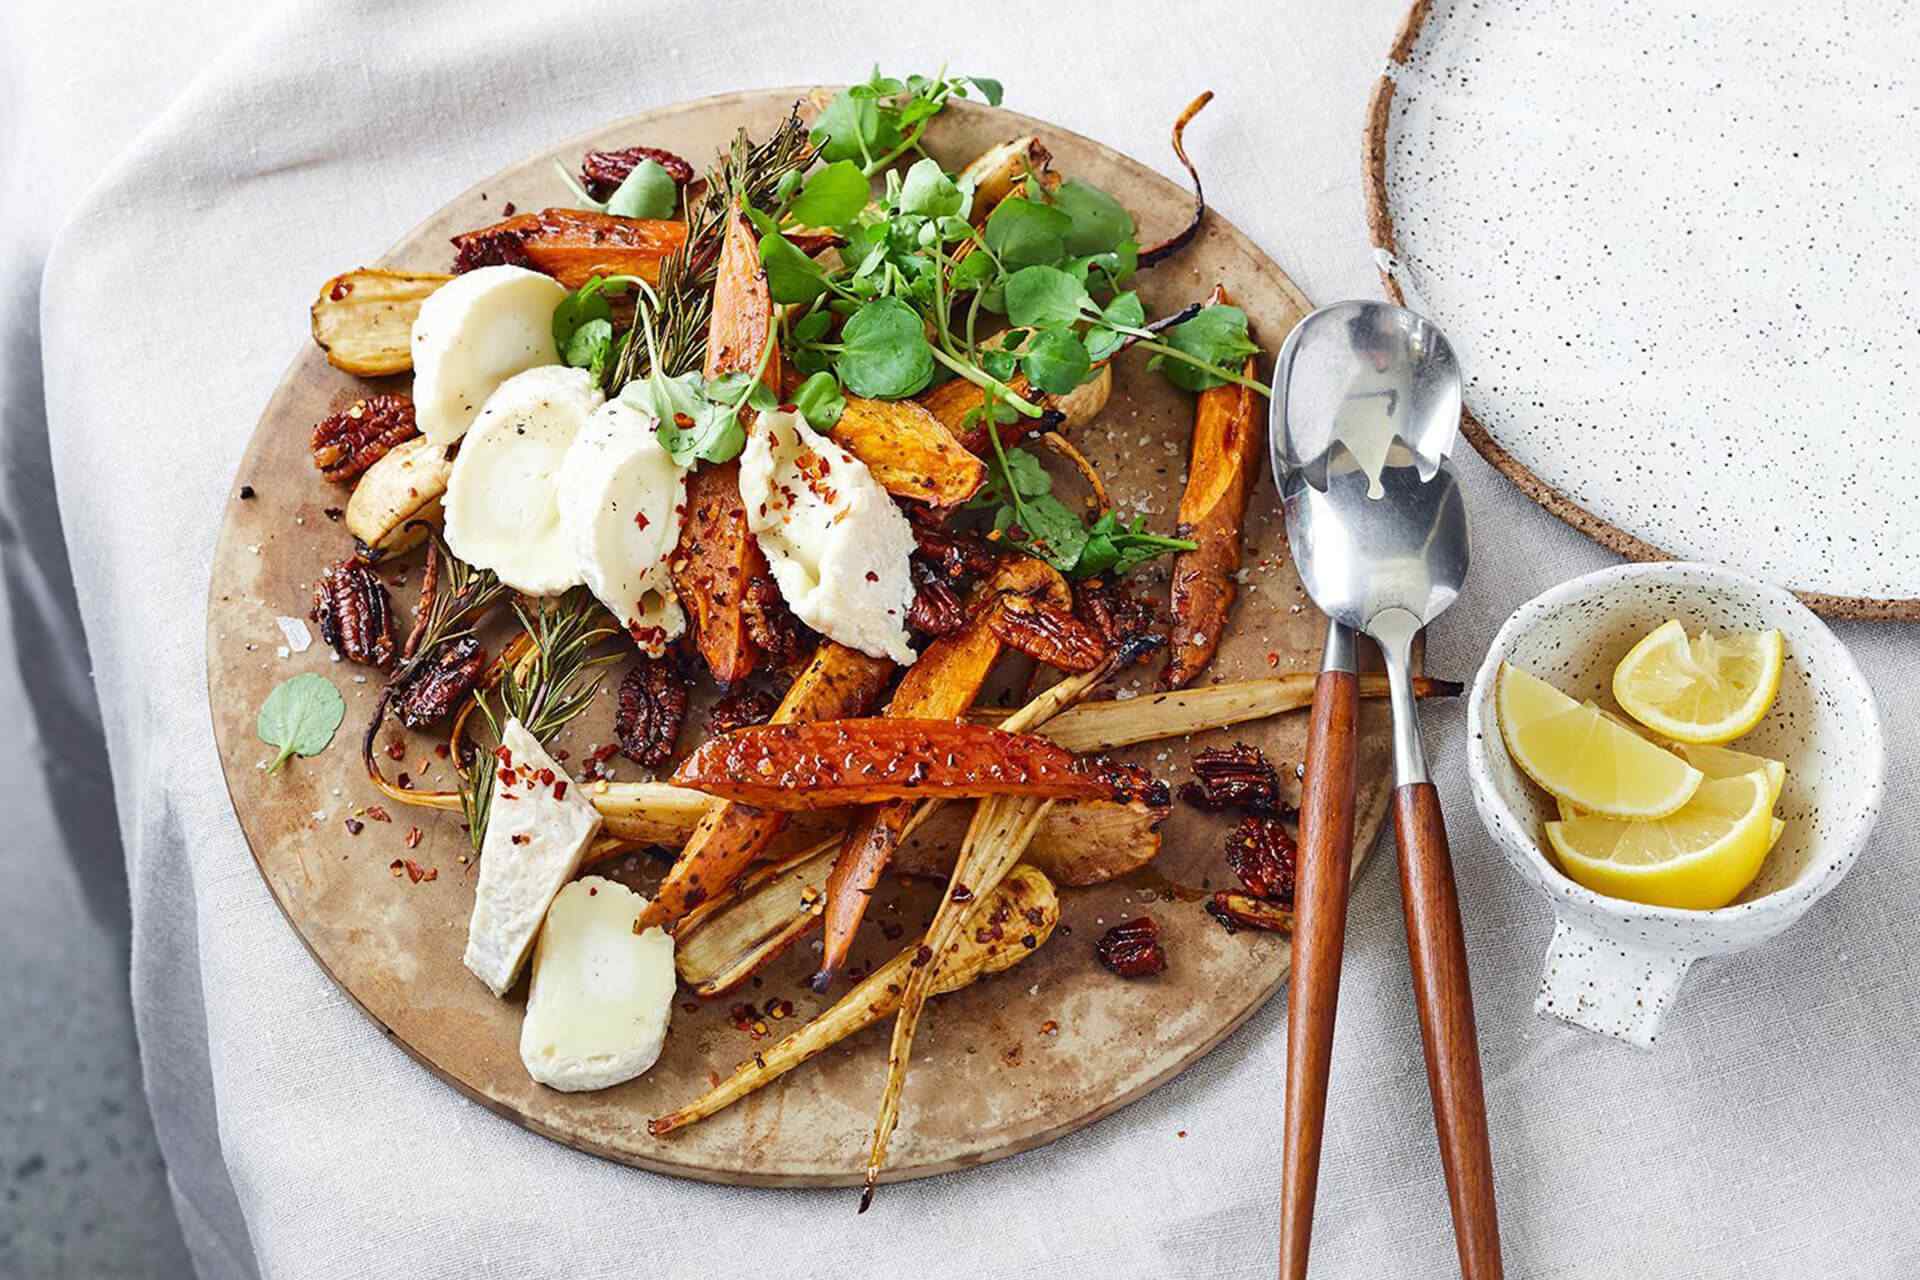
{"points": [[792, 277], [1056, 361], [587, 303], [1054, 530], [819, 401], [741, 387], [974, 270], [1104, 339], [832, 197], [592, 347], [1217, 336], [1022, 233], [929, 191], [854, 128], [991, 90], [1100, 224], [884, 352], [648, 192], [1043, 296], [300, 717]]}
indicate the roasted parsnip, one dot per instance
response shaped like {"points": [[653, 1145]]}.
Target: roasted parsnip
{"points": [[363, 319], [984, 947], [954, 403], [997, 171], [398, 497]]}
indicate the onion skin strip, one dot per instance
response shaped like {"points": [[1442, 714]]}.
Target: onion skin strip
{"points": [[1183, 237], [964, 960]]}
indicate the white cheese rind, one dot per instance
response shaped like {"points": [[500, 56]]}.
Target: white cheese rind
{"points": [[602, 996], [473, 333], [622, 500], [537, 832], [836, 542], [502, 504]]}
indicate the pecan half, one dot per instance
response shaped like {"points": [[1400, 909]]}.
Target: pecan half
{"points": [[739, 708], [936, 609], [436, 686], [602, 172], [1235, 777], [769, 623], [1261, 852], [1046, 634], [1112, 611], [1133, 949], [653, 702], [354, 614], [957, 557], [348, 442]]}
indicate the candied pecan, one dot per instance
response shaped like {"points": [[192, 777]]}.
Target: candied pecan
{"points": [[1239, 911], [739, 708], [653, 702], [1133, 949], [435, 685], [1111, 610], [354, 614], [770, 625], [602, 172], [1235, 777], [348, 442], [1130, 782], [1261, 852], [957, 557], [936, 610], [504, 247], [1048, 635]]}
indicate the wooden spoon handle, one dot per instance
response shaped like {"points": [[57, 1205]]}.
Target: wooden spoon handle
{"points": [[1319, 930], [1438, 951]]}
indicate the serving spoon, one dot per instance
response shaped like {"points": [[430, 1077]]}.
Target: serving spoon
{"points": [[1366, 406]]}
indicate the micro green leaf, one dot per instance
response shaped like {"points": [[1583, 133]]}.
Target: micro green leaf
{"points": [[648, 192], [1056, 361], [791, 275], [928, 190], [1216, 337], [1044, 297], [1099, 222], [819, 401], [884, 352], [1022, 233], [832, 197], [300, 717], [991, 90]]}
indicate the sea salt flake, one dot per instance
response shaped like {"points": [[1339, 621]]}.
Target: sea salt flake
{"points": [[299, 639]]}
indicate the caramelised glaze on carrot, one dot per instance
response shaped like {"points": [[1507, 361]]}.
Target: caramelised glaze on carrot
{"points": [[572, 245], [837, 762]]}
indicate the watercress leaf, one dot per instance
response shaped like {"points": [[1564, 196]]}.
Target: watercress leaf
{"points": [[783, 191], [991, 90], [812, 327], [588, 302], [1022, 233], [1028, 476], [300, 716], [791, 275], [974, 270], [853, 127], [761, 398], [590, 347], [1044, 296], [1099, 222], [884, 352], [1056, 361], [819, 401], [811, 360], [1097, 556], [883, 86], [953, 227], [1125, 309], [1217, 336], [833, 196], [667, 399], [1055, 530], [999, 364], [648, 192], [928, 190], [711, 433], [729, 388]]}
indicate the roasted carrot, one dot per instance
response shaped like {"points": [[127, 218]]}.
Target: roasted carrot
{"points": [[1227, 443], [865, 761], [573, 245]]}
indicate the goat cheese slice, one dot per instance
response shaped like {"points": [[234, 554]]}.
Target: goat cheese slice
{"points": [[602, 995], [538, 828], [837, 544], [502, 504], [622, 499], [472, 334]]}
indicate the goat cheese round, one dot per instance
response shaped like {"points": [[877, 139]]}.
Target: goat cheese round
{"points": [[602, 996], [837, 544], [502, 504], [622, 500], [472, 334]]}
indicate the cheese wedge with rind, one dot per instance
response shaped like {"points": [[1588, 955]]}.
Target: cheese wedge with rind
{"points": [[538, 828]]}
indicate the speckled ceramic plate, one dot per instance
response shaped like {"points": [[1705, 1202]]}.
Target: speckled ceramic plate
{"points": [[986, 1082], [1669, 246]]}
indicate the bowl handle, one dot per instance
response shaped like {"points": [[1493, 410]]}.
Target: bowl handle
{"points": [[1604, 984]]}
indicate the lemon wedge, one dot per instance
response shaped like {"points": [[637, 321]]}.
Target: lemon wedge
{"points": [[1698, 858], [1705, 689], [1583, 757], [1714, 762]]}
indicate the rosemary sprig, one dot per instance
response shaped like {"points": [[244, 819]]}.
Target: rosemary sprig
{"points": [[750, 172], [555, 682]]}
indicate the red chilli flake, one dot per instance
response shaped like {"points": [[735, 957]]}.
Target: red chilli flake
{"points": [[560, 789], [640, 520], [413, 838], [417, 873], [376, 814]]}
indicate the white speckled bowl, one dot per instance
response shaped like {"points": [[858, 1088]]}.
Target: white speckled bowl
{"points": [[1614, 967]]}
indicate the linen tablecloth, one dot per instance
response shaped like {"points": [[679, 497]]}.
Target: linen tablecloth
{"points": [[1771, 1134]]}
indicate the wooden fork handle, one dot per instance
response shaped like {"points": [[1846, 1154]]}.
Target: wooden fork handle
{"points": [[1437, 949], [1319, 931]]}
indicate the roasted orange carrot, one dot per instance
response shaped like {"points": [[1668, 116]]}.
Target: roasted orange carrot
{"points": [[573, 245]]}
